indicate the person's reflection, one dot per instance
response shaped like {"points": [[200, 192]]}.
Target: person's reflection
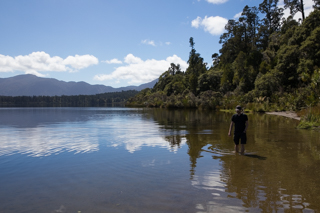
{"points": [[243, 181]]}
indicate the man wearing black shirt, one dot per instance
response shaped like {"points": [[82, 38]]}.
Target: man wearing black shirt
{"points": [[240, 121]]}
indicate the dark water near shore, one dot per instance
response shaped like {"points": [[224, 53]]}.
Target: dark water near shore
{"points": [[153, 160]]}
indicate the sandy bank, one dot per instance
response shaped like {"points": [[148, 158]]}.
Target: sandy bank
{"points": [[288, 114]]}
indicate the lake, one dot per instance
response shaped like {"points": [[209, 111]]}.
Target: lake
{"points": [[153, 160]]}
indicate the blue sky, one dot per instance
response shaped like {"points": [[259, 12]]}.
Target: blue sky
{"points": [[111, 42]]}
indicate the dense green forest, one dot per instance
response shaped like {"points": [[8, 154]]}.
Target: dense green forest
{"points": [[265, 63], [98, 100], [268, 63]]}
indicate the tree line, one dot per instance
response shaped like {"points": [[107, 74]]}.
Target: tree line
{"points": [[98, 100], [265, 63]]}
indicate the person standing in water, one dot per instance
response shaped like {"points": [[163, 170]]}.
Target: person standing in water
{"points": [[240, 122]]}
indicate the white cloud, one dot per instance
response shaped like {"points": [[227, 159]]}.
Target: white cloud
{"points": [[153, 43], [112, 61], [149, 42], [139, 71], [308, 7], [196, 22], [238, 15], [217, 1], [213, 25], [42, 62], [80, 61], [35, 73], [131, 59]]}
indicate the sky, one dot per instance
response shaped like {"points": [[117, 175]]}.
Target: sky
{"points": [[113, 43]]}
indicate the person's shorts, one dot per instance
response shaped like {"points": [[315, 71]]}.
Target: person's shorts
{"points": [[240, 136]]}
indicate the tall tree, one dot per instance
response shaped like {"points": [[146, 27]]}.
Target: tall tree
{"points": [[215, 59], [232, 42], [196, 67], [250, 21], [271, 23], [174, 69], [295, 6], [273, 14]]}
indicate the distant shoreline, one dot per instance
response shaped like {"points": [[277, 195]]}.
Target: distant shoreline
{"points": [[288, 114]]}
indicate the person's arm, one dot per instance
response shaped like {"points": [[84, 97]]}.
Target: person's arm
{"points": [[230, 128], [247, 124]]}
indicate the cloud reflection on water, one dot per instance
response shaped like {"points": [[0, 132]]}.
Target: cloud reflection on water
{"points": [[44, 141], [133, 144], [136, 135], [43, 132], [212, 182]]}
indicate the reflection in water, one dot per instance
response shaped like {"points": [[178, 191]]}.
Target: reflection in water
{"points": [[213, 182], [133, 144], [123, 169], [43, 141], [135, 135], [201, 128], [279, 172], [41, 132]]}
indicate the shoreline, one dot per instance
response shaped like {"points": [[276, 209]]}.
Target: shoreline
{"points": [[288, 114]]}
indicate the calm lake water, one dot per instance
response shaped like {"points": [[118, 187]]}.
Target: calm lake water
{"points": [[153, 160]]}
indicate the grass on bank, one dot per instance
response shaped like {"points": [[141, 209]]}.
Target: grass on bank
{"points": [[233, 110], [252, 107], [310, 118]]}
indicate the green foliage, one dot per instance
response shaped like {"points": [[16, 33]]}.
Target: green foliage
{"points": [[195, 69], [243, 74], [266, 84], [273, 16], [267, 63], [264, 67], [209, 99], [227, 79], [287, 65], [315, 81], [310, 52], [171, 81], [209, 81]]}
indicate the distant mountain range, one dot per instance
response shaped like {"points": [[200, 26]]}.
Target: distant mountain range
{"points": [[31, 85]]}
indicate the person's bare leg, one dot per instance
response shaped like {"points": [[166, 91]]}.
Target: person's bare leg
{"points": [[236, 148], [242, 148]]}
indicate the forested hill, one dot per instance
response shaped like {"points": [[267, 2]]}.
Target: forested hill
{"points": [[266, 62], [98, 100], [31, 85]]}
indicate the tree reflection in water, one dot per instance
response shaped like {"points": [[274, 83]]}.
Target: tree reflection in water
{"points": [[280, 174]]}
